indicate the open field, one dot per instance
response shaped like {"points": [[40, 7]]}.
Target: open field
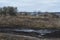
{"points": [[30, 21], [10, 17]]}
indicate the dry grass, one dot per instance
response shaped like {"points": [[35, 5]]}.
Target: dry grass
{"points": [[30, 21]]}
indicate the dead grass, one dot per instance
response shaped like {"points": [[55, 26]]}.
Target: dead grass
{"points": [[30, 21]]}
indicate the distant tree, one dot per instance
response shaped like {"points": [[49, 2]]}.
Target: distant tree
{"points": [[12, 10], [29, 13], [38, 12], [8, 11], [25, 13], [54, 15], [34, 13], [0, 11], [4, 10]]}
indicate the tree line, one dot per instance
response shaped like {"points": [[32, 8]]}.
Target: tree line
{"points": [[12, 11], [8, 11]]}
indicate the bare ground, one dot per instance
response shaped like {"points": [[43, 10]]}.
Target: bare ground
{"points": [[5, 36]]}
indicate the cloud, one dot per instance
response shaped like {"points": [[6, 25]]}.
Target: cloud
{"points": [[33, 5]]}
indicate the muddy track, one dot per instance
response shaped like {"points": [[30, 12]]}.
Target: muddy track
{"points": [[31, 32]]}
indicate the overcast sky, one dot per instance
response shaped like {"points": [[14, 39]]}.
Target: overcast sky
{"points": [[33, 5]]}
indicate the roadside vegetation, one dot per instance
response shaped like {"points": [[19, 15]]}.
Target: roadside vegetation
{"points": [[10, 17]]}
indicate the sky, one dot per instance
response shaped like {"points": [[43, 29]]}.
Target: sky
{"points": [[33, 5]]}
